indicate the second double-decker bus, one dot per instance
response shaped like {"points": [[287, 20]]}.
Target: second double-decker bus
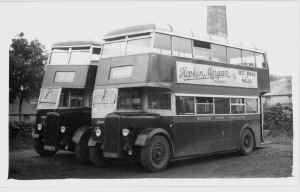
{"points": [[160, 97], [63, 110]]}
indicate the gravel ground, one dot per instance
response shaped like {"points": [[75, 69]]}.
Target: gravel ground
{"points": [[273, 161]]}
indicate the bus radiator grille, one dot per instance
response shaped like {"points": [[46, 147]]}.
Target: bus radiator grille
{"points": [[112, 136]]}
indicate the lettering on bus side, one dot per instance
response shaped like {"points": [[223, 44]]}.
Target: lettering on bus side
{"points": [[214, 75]]}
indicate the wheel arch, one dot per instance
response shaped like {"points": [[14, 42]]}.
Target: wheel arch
{"points": [[251, 129], [144, 138], [79, 133]]}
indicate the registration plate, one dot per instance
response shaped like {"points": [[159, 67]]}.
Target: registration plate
{"points": [[49, 148], [35, 136]]}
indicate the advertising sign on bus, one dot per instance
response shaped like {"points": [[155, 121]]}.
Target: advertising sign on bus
{"points": [[191, 73]]}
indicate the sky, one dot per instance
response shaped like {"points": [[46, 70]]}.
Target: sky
{"points": [[271, 26]]}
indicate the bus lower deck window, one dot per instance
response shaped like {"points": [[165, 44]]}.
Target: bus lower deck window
{"points": [[237, 105], [185, 105], [222, 106], [72, 98], [204, 105], [129, 98], [159, 100], [251, 105]]}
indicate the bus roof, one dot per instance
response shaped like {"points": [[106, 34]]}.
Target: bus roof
{"points": [[76, 44], [168, 29]]}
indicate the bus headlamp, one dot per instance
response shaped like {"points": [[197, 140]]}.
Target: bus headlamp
{"points": [[98, 131], [125, 132], [63, 129], [39, 127]]}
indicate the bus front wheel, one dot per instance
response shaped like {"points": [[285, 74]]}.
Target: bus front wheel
{"points": [[155, 156], [39, 148], [96, 156], [247, 142]]}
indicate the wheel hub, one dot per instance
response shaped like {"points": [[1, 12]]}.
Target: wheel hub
{"points": [[158, 153]]}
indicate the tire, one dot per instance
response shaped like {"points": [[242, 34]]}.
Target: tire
{"points": [[155, 156], [82, 149], [39, 148], [247, 142], [96, 156]]}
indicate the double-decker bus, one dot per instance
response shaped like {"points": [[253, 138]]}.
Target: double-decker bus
{"points": [[160, 97], [64, 105]]}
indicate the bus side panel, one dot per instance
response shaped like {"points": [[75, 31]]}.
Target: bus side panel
{"points": [[249, 121], [195, 135]]}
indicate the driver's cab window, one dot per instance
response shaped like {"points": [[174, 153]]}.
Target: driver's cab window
{"points": [[159, 100], [130, 99], [74, 98]]}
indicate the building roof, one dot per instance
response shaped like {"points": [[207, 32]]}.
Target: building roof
{"points": [[280, 87], [75, 43]]}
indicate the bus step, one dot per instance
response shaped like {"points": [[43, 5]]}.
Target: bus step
{"points": [[265, 144]]}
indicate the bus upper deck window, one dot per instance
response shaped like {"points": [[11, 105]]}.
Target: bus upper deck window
{"points": [[248, 58], [138, 46], [79, 57], [59, 58], [114, 49], [201, 50], [234, 56], [182, 47], [162, 43], [260, 60], [218, 53]]}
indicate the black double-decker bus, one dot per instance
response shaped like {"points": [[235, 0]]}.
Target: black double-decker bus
{"points": [[64, 105], [160, 97]]}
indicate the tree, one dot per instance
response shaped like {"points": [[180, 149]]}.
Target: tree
{"points": [[26, 68]]}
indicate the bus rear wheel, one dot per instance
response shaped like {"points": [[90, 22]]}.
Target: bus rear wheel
{"points": [[96, 156], [39, 148], [247, 142], [82, 149], [155, 156]]}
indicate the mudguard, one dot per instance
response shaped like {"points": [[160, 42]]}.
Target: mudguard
{"points": [[145, 136], [79, 133], [255, 133]]}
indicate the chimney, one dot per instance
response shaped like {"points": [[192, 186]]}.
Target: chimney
{"points": [[217, 21]]}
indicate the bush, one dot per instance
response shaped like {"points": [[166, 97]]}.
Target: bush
{"points": [[14, 129], [20, 135], [279, 120]]}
